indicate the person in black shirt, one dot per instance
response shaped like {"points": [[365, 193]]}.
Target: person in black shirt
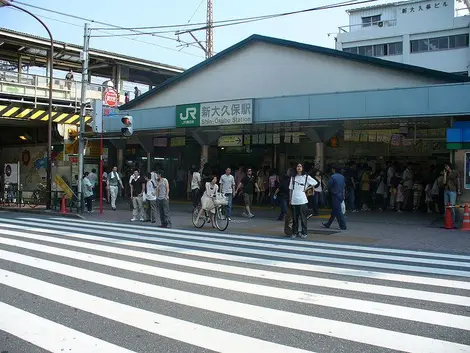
{"points": [[282, 193], [248, 185], [137, 191]]}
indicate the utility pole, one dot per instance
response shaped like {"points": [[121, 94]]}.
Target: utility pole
{"points": [[81, 138], [210, 30], [209, 47]]}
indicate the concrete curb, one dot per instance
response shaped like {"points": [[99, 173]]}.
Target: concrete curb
{"points": [[43, 212]]}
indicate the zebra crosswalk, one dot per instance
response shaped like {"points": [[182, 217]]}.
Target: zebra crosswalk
{"points": [[86, 286]]}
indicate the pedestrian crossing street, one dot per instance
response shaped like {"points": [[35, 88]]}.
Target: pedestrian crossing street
{"points": [[83, 286]]}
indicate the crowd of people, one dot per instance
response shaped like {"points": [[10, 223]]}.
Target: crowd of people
{"points": [[401, 188], [149, 194]]}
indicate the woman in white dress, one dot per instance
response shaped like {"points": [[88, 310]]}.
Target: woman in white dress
{"points": [[207, 199]]}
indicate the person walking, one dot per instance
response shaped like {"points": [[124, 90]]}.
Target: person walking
{"points": [[336, 185], [163, 200], [451, 183], [195, 186], [151, 197], [248, 185], [87, 190], [137, 192], [114, 182], [299, 185], [227, 187]]}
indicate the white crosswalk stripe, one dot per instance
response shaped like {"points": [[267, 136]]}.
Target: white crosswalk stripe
{"points": [[226, 293]]}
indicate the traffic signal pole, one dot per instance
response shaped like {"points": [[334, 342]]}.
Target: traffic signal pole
{"points": [[81, 137]]}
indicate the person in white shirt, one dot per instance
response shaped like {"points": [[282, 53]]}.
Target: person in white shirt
{"points": [[298, 186], [87, 190], [207, 199], [93, 178], [195, 186], [114, 181], [151, 197], [227, 186]]}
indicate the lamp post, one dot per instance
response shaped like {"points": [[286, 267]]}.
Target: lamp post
{"points": [[51, 78]]}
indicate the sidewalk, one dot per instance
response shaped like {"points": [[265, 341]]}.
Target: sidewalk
{"points": [[418, 231]]}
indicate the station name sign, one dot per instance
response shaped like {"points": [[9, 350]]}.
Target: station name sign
{"points": [[237, 112]]}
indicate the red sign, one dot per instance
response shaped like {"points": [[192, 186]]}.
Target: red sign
{"points": [[110, 97]]}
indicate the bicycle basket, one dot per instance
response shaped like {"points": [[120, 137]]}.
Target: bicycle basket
{"points": [[220, 200]]}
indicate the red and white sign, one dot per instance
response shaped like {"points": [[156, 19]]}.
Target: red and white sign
{"points": [[110, 97]]}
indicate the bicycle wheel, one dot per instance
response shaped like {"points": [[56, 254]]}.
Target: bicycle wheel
{"points": [[221, 219], [34, 200], [198, 221]]}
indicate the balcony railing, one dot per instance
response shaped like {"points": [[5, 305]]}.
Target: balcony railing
{"points": [[35, 86], [367, 26]]}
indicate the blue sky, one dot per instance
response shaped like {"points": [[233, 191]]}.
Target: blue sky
{"points": [[309, 28]]}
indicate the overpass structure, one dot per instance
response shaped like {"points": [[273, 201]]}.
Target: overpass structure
{"points": [[24, 96]]}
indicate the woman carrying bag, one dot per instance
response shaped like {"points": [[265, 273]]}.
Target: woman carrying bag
{"points": [[300, 185], [207, 199]]}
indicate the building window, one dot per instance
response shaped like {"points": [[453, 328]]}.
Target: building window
{"points": [[370, 20], [439, 43], [352, 50], [377, 50], [395, 48], [367, 50], [458, 41]]}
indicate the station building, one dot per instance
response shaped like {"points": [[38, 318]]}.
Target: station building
{"points": [[268, 101]]}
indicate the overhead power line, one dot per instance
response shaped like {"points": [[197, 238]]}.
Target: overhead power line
{"points": [[113, 27], [244, 19]]}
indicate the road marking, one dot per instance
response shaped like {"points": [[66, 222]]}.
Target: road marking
{"points": [[225, 342], [369, 307], [258, 252], [49, 335], [193, 278], [249, 260], [297, 249], [199, 335], [276, 240]]}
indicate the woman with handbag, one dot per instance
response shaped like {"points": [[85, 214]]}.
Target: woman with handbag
{"points": [[300, 185], [207, 199]]}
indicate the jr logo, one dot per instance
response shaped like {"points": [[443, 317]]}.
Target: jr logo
{"points": [[190, 113]]}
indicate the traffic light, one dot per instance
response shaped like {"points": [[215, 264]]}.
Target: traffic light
{"points": [[128, 129]]}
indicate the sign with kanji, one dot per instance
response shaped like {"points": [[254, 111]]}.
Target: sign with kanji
{"points": [[417, 7], [215, 113]]}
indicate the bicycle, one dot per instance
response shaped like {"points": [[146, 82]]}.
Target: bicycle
{"points": [[221, 219]]}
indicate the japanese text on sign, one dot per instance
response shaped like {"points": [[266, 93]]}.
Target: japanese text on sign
{"points": [[227, 113], [428, 6]]}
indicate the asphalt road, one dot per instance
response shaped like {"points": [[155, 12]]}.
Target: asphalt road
{"points": [[81, 286]]}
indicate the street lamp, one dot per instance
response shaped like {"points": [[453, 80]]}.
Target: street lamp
{"points": [[51, 79]]}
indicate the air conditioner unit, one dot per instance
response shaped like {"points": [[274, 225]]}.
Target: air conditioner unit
{"points": [[380, 24]]}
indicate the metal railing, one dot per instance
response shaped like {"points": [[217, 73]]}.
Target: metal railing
{"points": [[367, 26], [36, 86], [37, 199]]}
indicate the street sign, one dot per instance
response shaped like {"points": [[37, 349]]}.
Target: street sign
{"points": [[110, 97], [62, 185], [230, 141]]}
